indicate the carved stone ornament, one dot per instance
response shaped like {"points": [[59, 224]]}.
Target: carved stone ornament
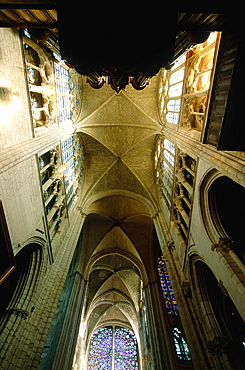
{"points": [[171, 245], [18, 312], [222, 288], [224, 244], [218, 345], [80, 209], [186, 287]]}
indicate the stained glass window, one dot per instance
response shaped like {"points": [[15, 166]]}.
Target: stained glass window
{"points": [[171, 92], [63, 89], [71, 167], [168, 293], [100, 354], [165, 159], [113, 348], [174, 105], [181, 346], [125, 349]]}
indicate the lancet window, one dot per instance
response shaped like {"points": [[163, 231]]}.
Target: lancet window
{"points": [[113, 348], [168, 293], [165, 161], [181, 345], [72, 160], [63, 89], [170, 92], [100, 354], [185, 88]]}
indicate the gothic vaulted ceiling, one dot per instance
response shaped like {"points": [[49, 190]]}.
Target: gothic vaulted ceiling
{"points": [[119, 133]]}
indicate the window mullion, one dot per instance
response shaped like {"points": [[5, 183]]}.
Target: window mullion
{"points": [[113, 350]]}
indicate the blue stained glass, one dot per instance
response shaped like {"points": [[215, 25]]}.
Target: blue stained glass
{"points": [[125, 350], [168, 293], [67, 143], [100, 353], [181, 346], [63, 87], [69, 193], [71, 169], [169, 146], [108, 341], [68, 155], [26, 33], [58, 57]]}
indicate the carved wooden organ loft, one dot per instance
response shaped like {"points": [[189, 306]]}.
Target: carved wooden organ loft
{"points": [[129, 44], [121, 44]]}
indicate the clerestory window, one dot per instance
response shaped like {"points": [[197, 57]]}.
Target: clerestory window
{"points": [[181, 346], [63, 89], [165, 160], [168, 293]]}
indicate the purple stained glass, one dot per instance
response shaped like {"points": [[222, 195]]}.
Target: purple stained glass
{"points": [[100, 354], [125, 350], [113, 346], [168, 293]]}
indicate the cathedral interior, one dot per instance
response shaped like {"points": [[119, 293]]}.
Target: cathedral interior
{"points": [[122, 176]]}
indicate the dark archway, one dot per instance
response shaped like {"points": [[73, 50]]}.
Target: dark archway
{"points": [[227, 201], [17, 289], [231, 325]]}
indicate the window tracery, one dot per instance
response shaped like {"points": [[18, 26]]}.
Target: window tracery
{"points": [[185, 88], [63, 89], [113, 348], [60, 172], [199, 69], [183, 192], [170, 91], [181, 345], [54, 87], [168, 293], [175, 172], [164, 162], [100, 354], [72, 160], [40, 83]]}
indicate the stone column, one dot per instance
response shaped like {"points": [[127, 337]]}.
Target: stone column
{"points": [[161, 345], [68, 338]]}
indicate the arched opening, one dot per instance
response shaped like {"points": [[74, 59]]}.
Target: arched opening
{"points": [[113, 348], [14, 290], [181, 346], [227, 204], [178, 336], [229, 337]]}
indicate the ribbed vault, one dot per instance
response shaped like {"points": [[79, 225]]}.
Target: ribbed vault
{"points": [[119, 134]]}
